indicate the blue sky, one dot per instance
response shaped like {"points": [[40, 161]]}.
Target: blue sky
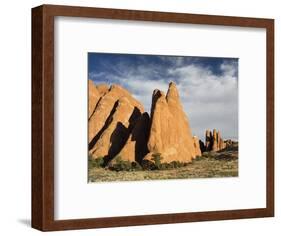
{"points": [[208, 86]]}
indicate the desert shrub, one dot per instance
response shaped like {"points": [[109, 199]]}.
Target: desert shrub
{"points": [[177, 164], [118, 164], [163, 166], [199, 158], [166, 166], [117, 159], [148, 165], [207, 155], [156, 157], [136, 166], [181, 164], [95, 162]]}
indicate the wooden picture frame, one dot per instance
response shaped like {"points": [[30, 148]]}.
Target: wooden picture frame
{"points": [[43, 117]]}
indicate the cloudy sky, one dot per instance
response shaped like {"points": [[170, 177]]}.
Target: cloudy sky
{"points": [[208, 86]]}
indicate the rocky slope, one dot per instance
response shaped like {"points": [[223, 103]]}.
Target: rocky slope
{"points": [[118, 126]]}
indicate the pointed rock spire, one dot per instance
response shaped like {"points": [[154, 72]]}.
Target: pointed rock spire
{"points": [[213, 142], [173, 94], [170, 133]]}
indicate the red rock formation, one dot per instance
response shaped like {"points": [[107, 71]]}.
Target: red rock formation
{"points": [[136, 146], [117, 131], [196, 146], [213, 141], [105, 107], [208, 140], [102, 88], [170, 133], [93, 97], [118, 126]]}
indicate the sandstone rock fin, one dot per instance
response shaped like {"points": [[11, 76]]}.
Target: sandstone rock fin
{"points": [[105, 106], [136, 146], [170, 133], [172, 93], [93, 97], [213, 141], [113, 138], [106, 124]]}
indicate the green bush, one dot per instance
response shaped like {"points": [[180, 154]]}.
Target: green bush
{"points": [[166, 166], [96, 162], [207, 155], [174, 164], [156, 157], [199, 158], [156, 164], [136, 166], [148, 165], [118, 164]]}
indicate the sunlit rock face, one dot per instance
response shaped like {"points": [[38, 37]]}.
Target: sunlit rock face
{"points": [[170, 133], [118, 126]]}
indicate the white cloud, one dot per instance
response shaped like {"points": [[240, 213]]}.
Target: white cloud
{"points": [[209, 99]]}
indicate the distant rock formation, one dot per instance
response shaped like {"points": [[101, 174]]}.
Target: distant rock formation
{"points": [[229, 143], [170, 134], [208, 140], [118, 126], [213, 141], [202, 146]]}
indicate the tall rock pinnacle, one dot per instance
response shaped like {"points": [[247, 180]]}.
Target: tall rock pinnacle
{"points": [[213, 141], [170, 133]]}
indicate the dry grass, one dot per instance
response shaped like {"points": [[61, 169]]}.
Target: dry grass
{"points": [[211, 165]]}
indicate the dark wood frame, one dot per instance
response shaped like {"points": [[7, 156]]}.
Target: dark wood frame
{"points": [[43, 117]]}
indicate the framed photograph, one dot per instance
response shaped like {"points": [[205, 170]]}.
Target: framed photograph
{"points": [[143, 117]]}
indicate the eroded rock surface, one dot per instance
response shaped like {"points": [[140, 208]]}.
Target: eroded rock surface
{"points": [[213, 141], [118, 126], [105, 108], [93, 97], [196, 144], [170, 133], [136, 146]]}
